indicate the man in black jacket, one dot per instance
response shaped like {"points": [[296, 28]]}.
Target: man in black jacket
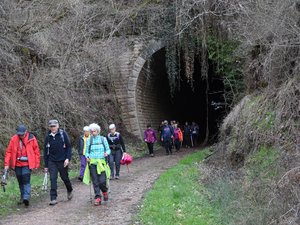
{"points": [[57, 156]]}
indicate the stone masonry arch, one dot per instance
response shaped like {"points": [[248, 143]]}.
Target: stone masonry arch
{"points": [[132, 64]]}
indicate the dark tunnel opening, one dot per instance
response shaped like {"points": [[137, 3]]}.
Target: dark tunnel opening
{"points": [[154, 102]]}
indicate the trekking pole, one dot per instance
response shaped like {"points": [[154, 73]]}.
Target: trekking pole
{"points": [[90, 184], [192, 141], [45, 182], [3, 180]]}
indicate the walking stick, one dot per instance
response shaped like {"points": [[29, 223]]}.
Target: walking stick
{"points": [[90, 184], [45, 182], [192, 141], [3, 180]]}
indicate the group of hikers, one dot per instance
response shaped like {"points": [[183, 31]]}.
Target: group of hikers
{"points": [[100, 159], [172, 136], [100, 156]]}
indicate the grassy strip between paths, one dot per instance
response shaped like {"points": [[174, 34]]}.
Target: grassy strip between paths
{"points": [[178, 197], [10, 198]]}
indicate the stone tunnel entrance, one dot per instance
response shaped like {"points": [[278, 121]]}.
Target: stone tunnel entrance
{"points": [[154, 102]]}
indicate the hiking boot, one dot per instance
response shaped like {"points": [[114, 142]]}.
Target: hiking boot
{"points": [[80, 179], [105, 196], [117, 177], [97, 201], [70, 195], [112, 177], [152, 155], [53, 202], [26, 202]]}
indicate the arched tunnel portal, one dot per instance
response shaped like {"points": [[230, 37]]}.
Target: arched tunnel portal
{"points": [[153, 101]]}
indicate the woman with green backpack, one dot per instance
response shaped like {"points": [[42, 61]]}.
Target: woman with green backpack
{"points": [[97, 170]]}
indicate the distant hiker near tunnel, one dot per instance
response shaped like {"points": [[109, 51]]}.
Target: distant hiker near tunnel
{"points": [[195, 134], [167, 136], [117, 147], [187, 135], [150, 139], [178, 137]]}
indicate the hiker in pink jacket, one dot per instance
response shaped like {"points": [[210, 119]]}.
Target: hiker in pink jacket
{"points": [[150, 139]]}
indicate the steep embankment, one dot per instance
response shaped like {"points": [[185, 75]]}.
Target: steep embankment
{"points": [[258, 180]]}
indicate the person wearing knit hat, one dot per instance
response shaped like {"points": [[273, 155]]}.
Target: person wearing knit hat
{"points": [[117, 148], [82, 149]]}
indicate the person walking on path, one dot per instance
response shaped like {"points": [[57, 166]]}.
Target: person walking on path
{"points": [[167, 136], [150, 139], [57, 156], [97, 149], [178, 137], [23, 155], [82, 149], [195, 133], [117, 147], [187, 134]]}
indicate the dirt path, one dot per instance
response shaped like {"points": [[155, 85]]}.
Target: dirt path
{"points": [[125, 196]]}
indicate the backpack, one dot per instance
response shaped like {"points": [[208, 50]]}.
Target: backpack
{"points": [[167, 133], [61, 132], [180, 135], [150, 136], [91, 143]]}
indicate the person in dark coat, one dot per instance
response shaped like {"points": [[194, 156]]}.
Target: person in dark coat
{"points": [[167, 137], [117, 147], [187, 135], [57, 156]]}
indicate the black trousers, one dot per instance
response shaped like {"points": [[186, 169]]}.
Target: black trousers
{"points": [[114, 159], [55, 168], [99, 181], [187, 140], [150, 147], [177, 144], [168, 146]]}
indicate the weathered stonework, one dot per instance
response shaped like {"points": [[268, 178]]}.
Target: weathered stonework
{"points": [[135, 91]]}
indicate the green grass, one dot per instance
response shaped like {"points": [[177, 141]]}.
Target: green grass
{"points": [[263, 164], [10, 198], [178, 197]]}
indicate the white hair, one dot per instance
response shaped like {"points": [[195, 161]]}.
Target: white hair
{"points": [[94, 126], [86, 128], [112, 126]]}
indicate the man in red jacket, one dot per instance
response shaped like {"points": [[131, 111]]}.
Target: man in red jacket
{"points": [[23, 155]]}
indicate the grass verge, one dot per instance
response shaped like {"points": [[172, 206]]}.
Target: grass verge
{"points": [[10, 198], [177, 197]]}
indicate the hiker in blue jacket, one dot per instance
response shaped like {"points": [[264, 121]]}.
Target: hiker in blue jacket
{"points": [[167, 137], [97, 149], [57, 156]]}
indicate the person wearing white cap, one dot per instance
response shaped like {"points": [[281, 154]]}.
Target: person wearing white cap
{"points": [[117, 148], [82, 149]]}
